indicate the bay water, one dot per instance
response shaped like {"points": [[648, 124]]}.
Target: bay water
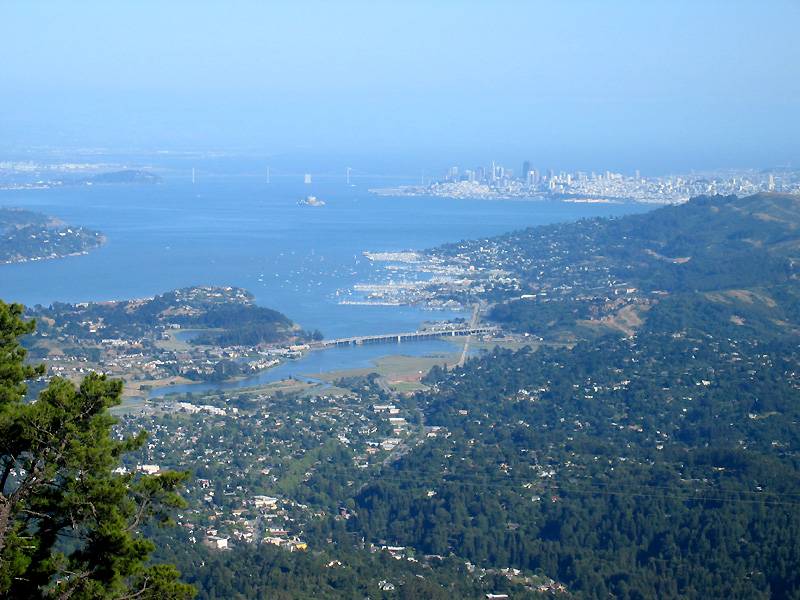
{"points": [[245, 231]]}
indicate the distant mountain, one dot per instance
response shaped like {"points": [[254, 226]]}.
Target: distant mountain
{"points": [[568, 281]]}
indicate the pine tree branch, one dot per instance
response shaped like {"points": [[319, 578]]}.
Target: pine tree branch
{"points": [[6, 472]]}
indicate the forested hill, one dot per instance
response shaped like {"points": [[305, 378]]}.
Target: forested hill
{"points": [[708, 243], [661, 462], [27, 235], [655, 455], [727, 255]]}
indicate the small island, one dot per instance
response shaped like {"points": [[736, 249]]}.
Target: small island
{"points": [[311, 201], [125, 177]]}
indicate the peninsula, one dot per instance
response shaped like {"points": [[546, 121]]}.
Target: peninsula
{"points": [[499, 183], [199, 333], [26, 235]]}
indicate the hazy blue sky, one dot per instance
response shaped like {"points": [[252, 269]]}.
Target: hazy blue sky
{"points": [[659, 85]]}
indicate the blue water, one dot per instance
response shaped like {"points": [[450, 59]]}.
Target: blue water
{"points": [[240, 230], [324, 361]]}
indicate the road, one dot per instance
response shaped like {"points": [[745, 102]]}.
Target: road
{"points": [[473, 323]]}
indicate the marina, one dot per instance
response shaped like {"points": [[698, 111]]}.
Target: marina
{"points": [[350, 270]]}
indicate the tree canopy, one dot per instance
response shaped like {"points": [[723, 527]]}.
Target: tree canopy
{"points": [[68, 517]]}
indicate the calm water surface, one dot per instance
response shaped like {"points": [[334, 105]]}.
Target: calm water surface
{"points": [[243, 231]]}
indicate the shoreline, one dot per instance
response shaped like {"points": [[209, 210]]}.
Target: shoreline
{"points": [[35, 258], [405, 368]]}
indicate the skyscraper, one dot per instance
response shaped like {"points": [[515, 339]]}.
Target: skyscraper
{"points": [[526, 168]]}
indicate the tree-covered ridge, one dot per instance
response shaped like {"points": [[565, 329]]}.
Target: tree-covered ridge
{"points": [[659, 466], [349, 575], [731, 251], [27, 235], [19, 217], [661, 463], [641, 249]]}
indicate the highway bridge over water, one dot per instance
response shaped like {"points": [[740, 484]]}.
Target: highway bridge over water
{"points": [[388, 338]]}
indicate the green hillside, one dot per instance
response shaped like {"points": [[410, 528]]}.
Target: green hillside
{"points": [[27, 235], [728, 256], [661, 463], [656, 454], [659, 460]]}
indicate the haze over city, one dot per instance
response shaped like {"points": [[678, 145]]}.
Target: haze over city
{"points": [[394, 87]]}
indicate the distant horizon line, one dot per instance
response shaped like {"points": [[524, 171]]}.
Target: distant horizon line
{"points": [[59, 155]]}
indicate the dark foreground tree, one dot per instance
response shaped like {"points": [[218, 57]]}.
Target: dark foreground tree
{"points": [[68, 521]]}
